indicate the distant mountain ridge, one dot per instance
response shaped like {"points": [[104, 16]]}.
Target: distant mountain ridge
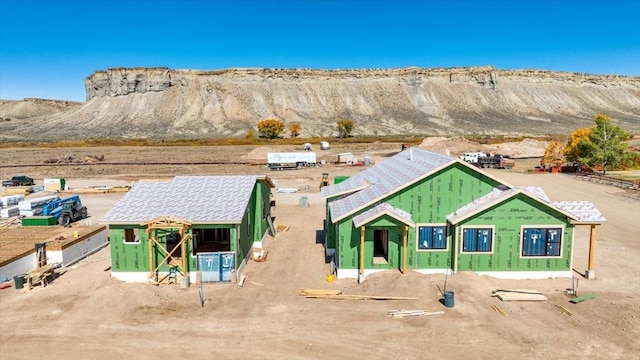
{"points": [[165, 103]]}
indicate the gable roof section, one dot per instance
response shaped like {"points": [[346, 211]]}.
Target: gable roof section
{"points": [[393, 174], [381, 210], [497, 196], [584, 211], [199, 199]]}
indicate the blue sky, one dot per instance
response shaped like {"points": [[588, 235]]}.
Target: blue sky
{"points": [[48, 47]]}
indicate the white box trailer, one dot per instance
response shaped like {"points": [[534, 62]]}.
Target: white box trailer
{"points": [[290, 160], [345, 158]]}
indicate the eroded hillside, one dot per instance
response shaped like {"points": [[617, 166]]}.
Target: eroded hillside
{"points": [[165, 103]]}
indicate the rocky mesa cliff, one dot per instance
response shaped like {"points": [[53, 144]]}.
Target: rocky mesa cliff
{"points": [[166, 103]]}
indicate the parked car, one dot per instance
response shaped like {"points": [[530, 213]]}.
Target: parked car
{"points": [[19, 181]]}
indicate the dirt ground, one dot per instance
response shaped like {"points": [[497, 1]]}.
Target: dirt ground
{"points": [[85, 313]]}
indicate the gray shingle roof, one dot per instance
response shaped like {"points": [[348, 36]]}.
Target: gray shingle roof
{"points": [[199, 199], [384, 178], [584, 211], [382, 209], [499, 195]]}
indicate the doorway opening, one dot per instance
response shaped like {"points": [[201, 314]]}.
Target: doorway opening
{"points": [[380, 246]]}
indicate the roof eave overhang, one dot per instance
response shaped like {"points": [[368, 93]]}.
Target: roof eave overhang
{"points": [[345, 192], [407, 222], [193, 222], [500, 200]]}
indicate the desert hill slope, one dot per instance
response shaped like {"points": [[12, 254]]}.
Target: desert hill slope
{"points": [[166, 103]]}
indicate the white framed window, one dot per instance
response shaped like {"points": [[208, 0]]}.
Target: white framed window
{"points": [[477, 239], [432, 237], [541, 241]]}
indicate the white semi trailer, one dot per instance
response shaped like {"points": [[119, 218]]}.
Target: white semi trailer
{"points": [[291, 160]]}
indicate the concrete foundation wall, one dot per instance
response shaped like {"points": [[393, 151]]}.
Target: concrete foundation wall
{"points": [[79, 250], [19, 266]]}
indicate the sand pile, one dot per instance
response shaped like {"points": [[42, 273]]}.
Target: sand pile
{"points": [[520, 149], [459, 145], [456, 146]]}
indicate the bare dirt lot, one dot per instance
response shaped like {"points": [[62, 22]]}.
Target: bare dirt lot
{"points": [[85, 313]]}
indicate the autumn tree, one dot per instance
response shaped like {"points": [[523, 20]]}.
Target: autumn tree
{"points": [[553, 154], [605, 146], [571, 149], [345, 127], [294, 129], [270, 128]]}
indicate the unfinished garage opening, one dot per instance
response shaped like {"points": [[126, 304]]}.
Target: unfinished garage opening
{"points": [[211, 240]]}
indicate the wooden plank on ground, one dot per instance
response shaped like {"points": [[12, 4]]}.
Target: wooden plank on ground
{"points": [[409, 313], [306, 292], [359, 297], [519, 295]]}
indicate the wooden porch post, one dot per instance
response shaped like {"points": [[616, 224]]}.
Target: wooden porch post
{"points": [[590, 273], [362, 250], [404, 250], [183, 250], [151, 241]]}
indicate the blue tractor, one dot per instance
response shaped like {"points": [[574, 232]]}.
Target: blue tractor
{"points": [[66, 210]]}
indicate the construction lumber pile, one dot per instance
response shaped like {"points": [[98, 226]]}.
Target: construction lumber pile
{"points": [[409, 313], [338, 295], [11, 200], [33, 206], [24, 191], [519, 295], [10, 211]]}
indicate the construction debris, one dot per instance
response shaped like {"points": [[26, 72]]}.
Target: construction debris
{"points": [[564, 310], [359, 297], [259, 256], [241, 281], [582, 298], [409, 313], [499, 310], [69, 159], [307, 292], [519, 295]]}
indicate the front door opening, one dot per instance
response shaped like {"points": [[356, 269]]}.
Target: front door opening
{"points": [[380, 246]]}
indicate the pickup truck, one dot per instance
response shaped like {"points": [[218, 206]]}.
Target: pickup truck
{"points": [[19, 181]]}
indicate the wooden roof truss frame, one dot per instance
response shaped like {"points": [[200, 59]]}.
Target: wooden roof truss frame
{"points": [[168, 223]]}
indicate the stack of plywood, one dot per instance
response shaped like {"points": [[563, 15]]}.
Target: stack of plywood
{"points": [[15, 191], [11, 200], [10, 211], [33, 206]]}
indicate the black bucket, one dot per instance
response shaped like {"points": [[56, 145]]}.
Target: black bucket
{"points": [[18, 281], [448, 299]]}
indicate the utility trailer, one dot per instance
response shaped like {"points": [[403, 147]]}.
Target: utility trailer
{"points": [[495, 161], [291, 160]]}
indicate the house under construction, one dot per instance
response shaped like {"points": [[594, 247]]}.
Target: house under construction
{"points": [[197, 227]]}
